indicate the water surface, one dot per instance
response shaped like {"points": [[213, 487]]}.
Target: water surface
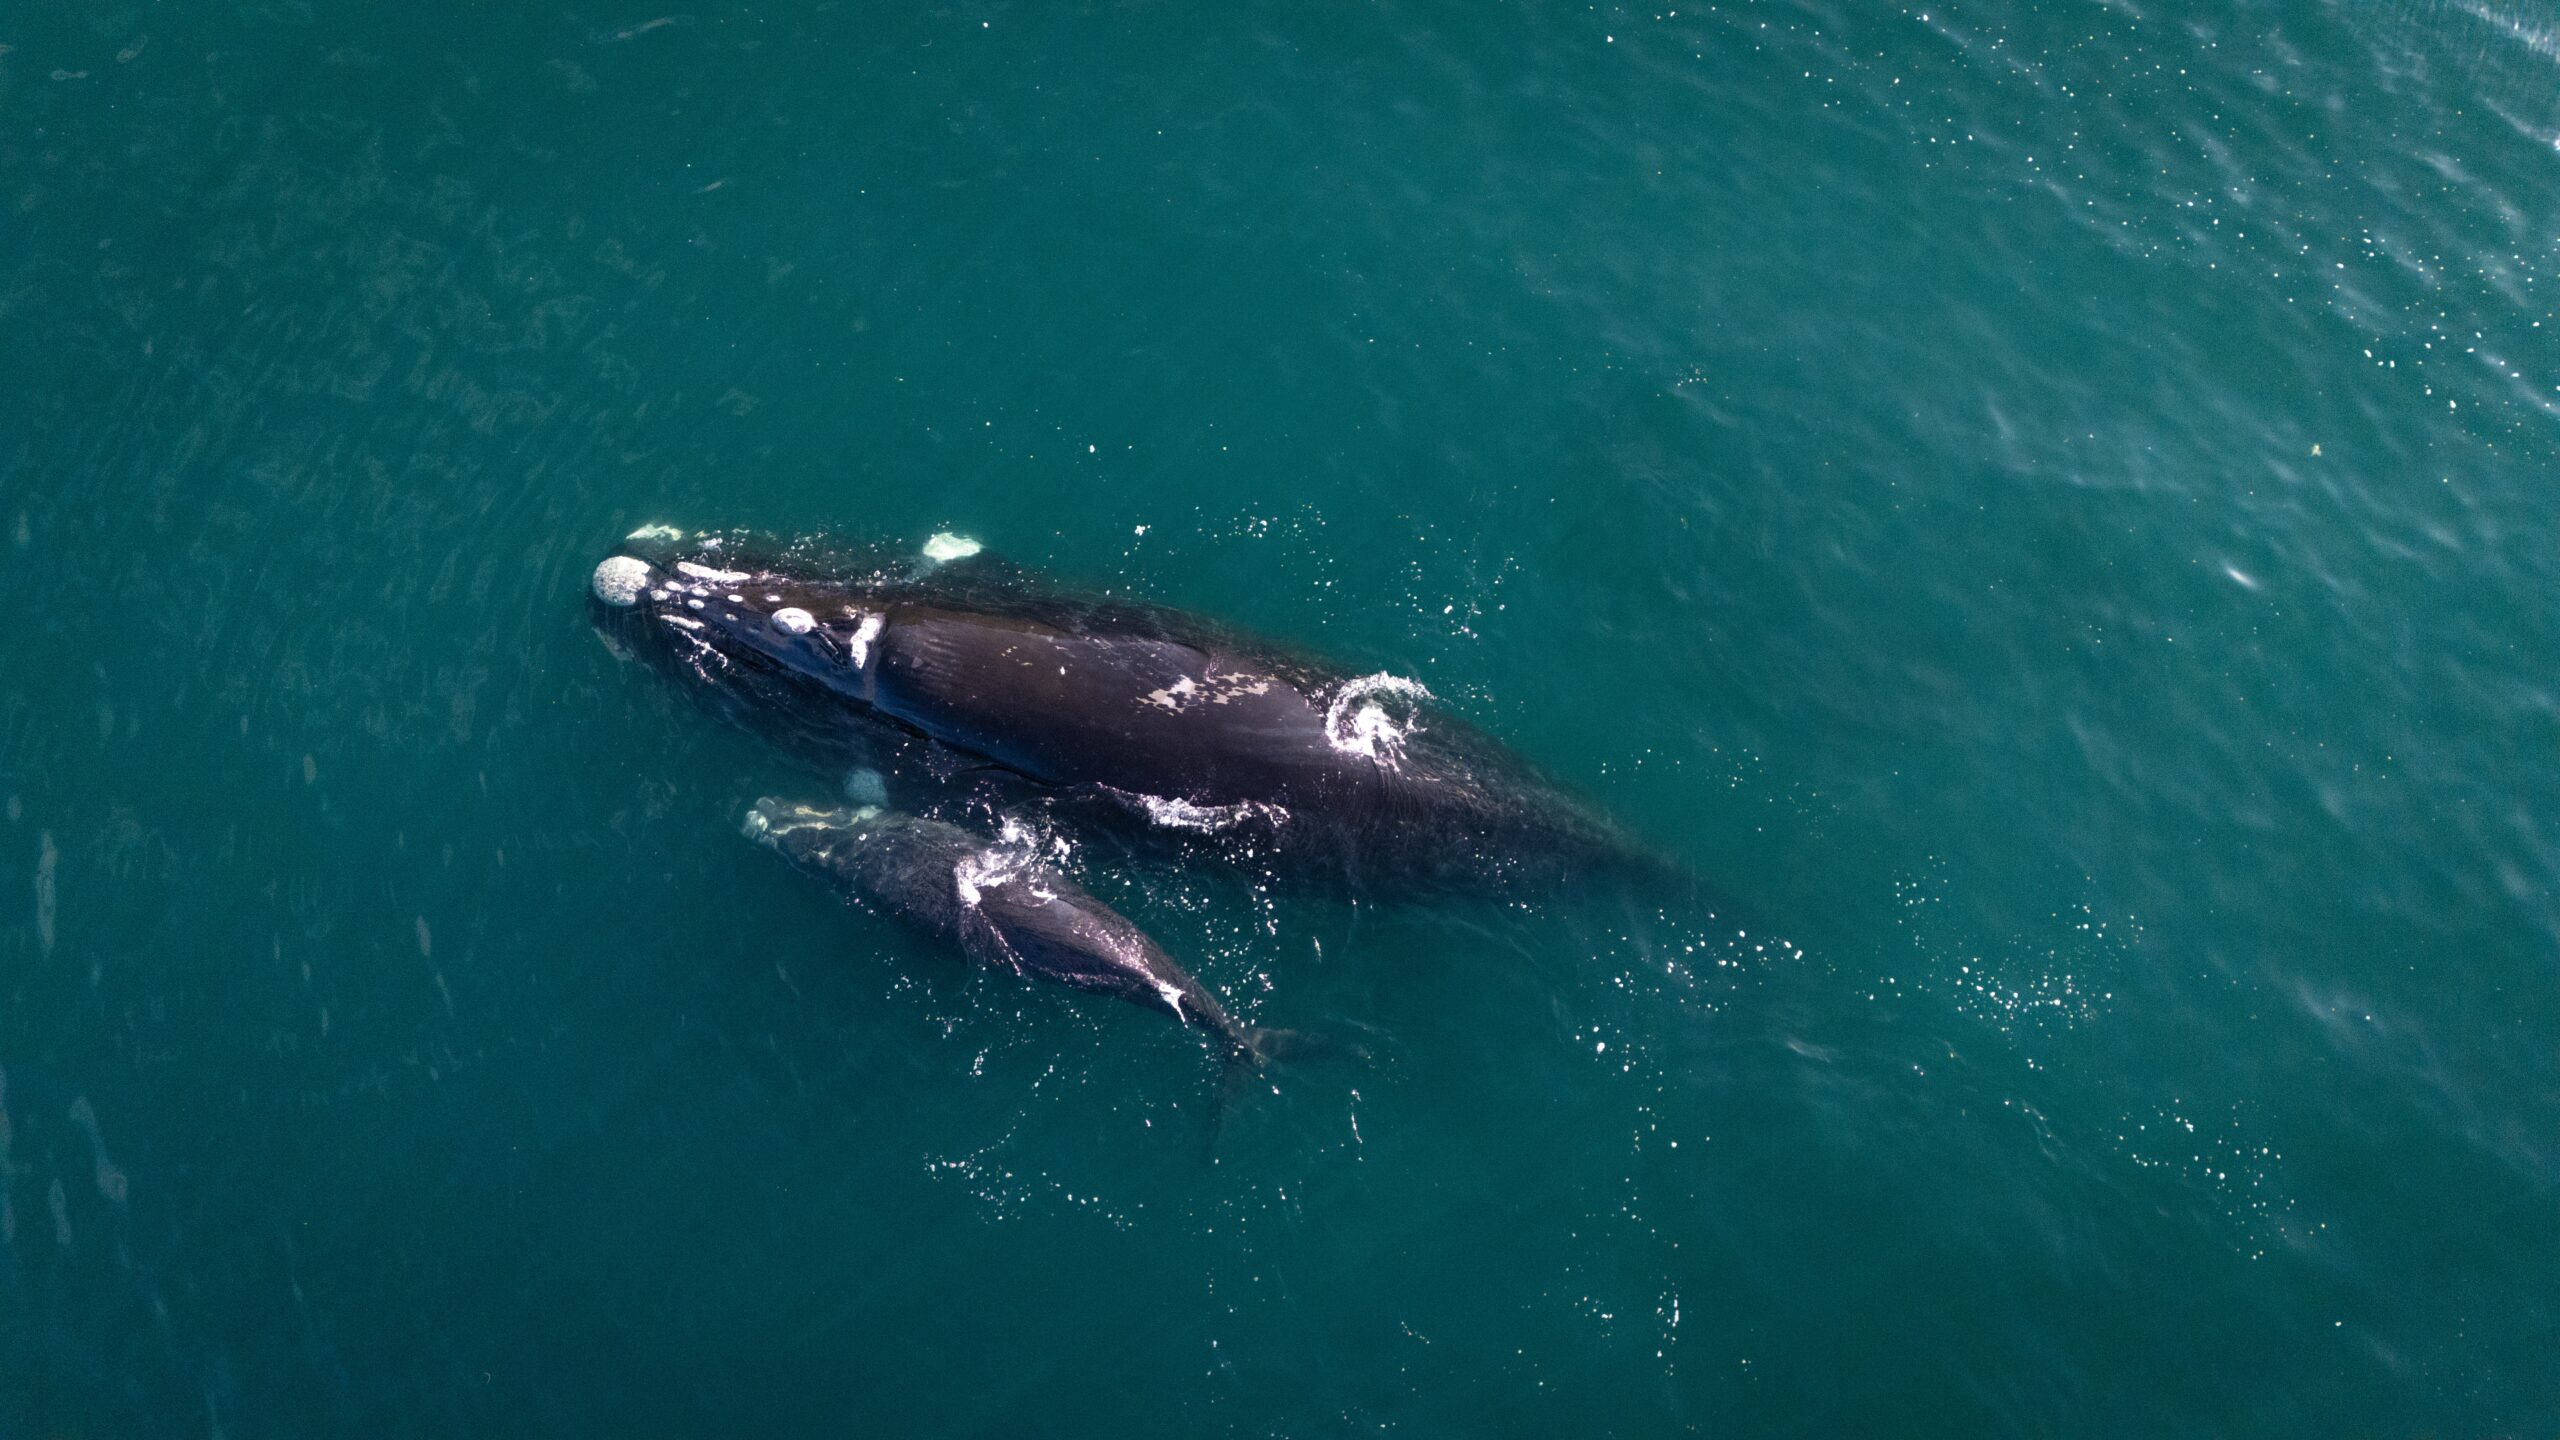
{"points": [[2053, 504]]}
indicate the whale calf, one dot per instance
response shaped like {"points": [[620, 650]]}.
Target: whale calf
{"points": [[1135, 715], [1003, 906]]}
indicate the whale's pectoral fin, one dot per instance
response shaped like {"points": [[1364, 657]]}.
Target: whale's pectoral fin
{"points": [[942, 547], [977, 576], [954, 560]]}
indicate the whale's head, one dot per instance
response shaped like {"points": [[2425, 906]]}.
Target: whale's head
{"points": [[810, 836], [777, 635], [877, 854]]}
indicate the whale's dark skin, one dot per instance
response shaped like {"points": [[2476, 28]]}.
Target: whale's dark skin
{"points": [[1002, 906], [1132, 714]]}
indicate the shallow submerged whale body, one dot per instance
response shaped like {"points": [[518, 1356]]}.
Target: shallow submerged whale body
{"points": [[958, 664], [1004, 906]]}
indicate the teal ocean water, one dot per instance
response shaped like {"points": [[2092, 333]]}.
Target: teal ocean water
{"points": [[2053, 504]]}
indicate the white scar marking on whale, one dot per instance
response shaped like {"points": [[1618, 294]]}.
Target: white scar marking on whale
{"points": [[619, 579], [1224, 689], [1356, 725], [1172, 696], [1172, 994]]}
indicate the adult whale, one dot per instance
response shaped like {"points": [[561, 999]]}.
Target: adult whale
{"points": [[1148, 716]]}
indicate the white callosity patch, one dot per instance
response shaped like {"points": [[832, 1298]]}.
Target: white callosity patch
{"points": [[792, 620], [946, 547], [1357, 724], [619, 579], [705, 572], [762, 822], [699, 655]]}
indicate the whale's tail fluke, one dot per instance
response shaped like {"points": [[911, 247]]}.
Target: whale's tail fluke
{"points": [[1253, 1052], [1261, 1047]]}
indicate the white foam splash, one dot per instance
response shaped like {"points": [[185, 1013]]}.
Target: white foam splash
{"points": [[998, 864], [1357, 725], [863, 635], [655, 532], [1178, 814], [2540, 40], [946, 547]]}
